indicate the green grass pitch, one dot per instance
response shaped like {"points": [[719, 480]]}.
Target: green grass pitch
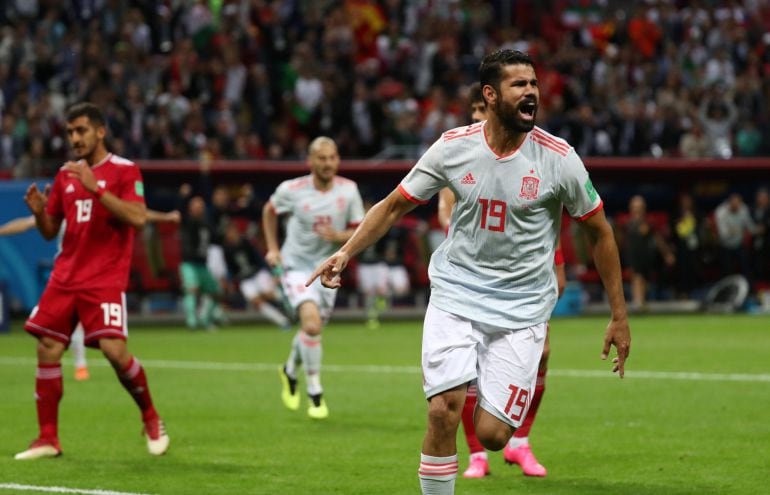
{"points": [[691, 417]]}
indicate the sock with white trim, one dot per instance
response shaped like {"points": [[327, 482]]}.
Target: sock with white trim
{"points": [[516, 442], [48, 393], [437, 474], [78, 347], [294, 359]]}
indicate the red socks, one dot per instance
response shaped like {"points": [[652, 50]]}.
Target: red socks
{"points": [[523, 430], [470, 430], [48, 393], [134, 380]]}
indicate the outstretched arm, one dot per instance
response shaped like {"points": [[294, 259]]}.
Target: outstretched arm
{"points": [[607, 261], [154, 216], [376, 223], [18, 225]]}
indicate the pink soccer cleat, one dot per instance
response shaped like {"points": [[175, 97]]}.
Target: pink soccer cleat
{"points": [[524, 457], [478, 468]]}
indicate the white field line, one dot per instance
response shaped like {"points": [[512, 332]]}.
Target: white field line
{"points": [[60, 489], [384, 369]]}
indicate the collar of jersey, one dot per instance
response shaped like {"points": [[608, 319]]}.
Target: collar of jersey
{"points": [[497, 157], [103, 161]]}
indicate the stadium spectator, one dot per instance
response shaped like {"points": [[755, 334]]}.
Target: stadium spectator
{"points": [[733, 222], [101, 197], [761, 242], [686, 224], [694, 143], [487, 314], [644, 245], [202, 292], [323, 210], [717, 116], [274, 67], [248, 270]]}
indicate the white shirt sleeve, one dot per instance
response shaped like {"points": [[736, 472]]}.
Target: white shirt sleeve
{"points": [[427, 177], [576, 191], [282, 200], [356, 208]]}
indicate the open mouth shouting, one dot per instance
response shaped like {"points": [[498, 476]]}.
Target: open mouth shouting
{"points": [[527, 110]]}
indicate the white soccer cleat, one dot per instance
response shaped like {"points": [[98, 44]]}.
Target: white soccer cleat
{"points": [[157, 438], [39, 449]]}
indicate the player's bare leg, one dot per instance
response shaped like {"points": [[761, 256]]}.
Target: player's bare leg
{"points": [[518, 450], [438, 460], [131, 374], [48, 394], [491, 431]]}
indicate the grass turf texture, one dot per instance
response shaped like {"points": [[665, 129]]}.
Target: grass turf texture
{"points": [[230, 434]]}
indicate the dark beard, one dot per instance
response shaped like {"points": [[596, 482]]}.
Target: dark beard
{"points": [[509, 116]]}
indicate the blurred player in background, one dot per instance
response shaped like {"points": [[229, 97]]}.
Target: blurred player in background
{"points": [[250, 272], [101, 197], [77, 343], [518, 450], [323, 211], [493, 286], [198, 283], [381, 273]]}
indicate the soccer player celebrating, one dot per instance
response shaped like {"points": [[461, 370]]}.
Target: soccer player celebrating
{"points": [[492, 279], [518, 450], [324, 209], [101, 197]]}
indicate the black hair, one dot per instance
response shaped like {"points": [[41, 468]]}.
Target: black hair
{"points": [[86, 109], [491, 68]]}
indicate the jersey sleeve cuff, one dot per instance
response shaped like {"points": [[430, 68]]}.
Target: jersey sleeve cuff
{"points": [[591, 213], [411, 198]]}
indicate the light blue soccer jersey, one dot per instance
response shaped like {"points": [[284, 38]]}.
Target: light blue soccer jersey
{"points": [[340, 207], [496, 264]]}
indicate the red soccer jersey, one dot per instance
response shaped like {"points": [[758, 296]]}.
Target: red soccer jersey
{"points": [[96, 248]]}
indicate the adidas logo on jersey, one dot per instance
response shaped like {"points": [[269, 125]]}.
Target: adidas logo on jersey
{"points": [[468, 179], [70, 188]]}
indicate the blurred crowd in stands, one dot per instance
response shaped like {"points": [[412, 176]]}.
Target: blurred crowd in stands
{"points": [[257, 79]]}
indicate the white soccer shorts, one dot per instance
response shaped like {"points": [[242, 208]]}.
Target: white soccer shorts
{"points": [[373, 278], [293, 282], [215, 261], [455, 350], [261, 282], [382, 279]]}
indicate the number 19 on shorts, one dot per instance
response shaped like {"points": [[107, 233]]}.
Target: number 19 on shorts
{"points": [[113, 314], [517, 402]]}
